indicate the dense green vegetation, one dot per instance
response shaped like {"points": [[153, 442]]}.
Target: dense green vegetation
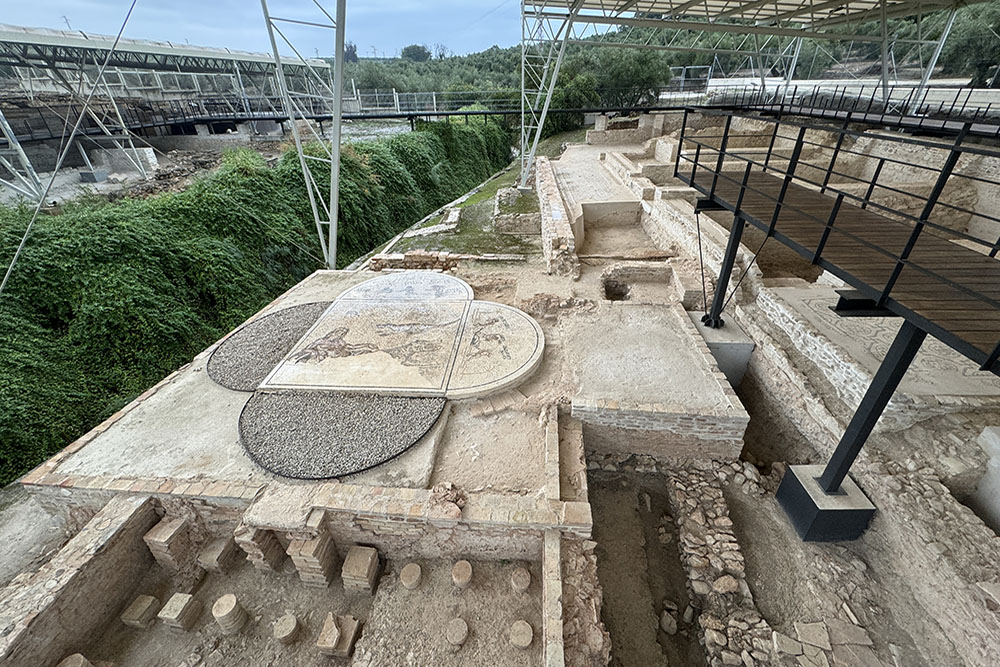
{"points": [[109, 297]]}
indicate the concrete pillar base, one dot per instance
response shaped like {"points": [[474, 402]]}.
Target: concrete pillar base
{"points": [[819, 516]]}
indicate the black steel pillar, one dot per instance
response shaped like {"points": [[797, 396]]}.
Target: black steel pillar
{"points": [[902, 351], [713, 318]]}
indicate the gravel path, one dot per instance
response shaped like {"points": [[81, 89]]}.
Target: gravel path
{"points": [[244, 359], [318, 435]]}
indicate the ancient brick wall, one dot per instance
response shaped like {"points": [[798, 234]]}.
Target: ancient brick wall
{"points": [[558, 244], [57, 610]]}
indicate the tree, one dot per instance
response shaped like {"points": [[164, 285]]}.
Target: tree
{"points": [[350, 52], [417, 53], [441, 51]]}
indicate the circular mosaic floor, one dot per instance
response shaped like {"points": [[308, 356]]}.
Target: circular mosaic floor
{"points": [[344, 386]]}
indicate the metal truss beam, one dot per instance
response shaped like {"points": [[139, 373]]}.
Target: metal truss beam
{"points": [[316, 153], [708, 26], [23, 179]]}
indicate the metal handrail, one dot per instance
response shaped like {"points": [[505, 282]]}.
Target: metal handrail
{"points": [[718, 155]]}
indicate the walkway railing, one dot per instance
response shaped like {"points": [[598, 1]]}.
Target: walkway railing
{"points": [[815, 183]]}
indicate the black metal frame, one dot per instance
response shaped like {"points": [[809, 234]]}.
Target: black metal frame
{"points": [[704, 146], [914, 328]]}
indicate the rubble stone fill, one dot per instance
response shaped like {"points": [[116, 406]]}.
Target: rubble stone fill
{"points": [[318, 435], [242, 361]]}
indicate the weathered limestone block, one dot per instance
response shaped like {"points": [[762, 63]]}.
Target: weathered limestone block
{"points": [[219, 555], [141, 614], [360, 571], [181, 611], [75, 660]]}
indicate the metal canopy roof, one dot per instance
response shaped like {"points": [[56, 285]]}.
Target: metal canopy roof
{"points": [[790, 17], [40, 46]]}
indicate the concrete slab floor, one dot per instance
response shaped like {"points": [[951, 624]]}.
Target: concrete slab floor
{"points": [[641, 354]]}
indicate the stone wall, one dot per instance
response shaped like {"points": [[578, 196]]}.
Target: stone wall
{"points": [[558, 245], [57, 610], [434, 261], [419, 523]]}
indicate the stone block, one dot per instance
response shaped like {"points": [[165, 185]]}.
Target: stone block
{"points": [[219, 555], [360, 571], [141, 614], [181, 611], [75, 660]]}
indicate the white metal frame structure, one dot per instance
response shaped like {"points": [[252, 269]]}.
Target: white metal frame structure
{"points": [[324, 203], [67, 63], [769, 29]]}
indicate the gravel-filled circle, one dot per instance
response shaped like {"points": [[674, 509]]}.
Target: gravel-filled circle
{"points": [[318, 435], [243, 360]]}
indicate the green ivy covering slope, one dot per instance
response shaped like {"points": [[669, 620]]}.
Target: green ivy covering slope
{"points": [[109, 297]]}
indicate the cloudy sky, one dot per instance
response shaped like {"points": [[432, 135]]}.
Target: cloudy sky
{"points": [[383, 25]]}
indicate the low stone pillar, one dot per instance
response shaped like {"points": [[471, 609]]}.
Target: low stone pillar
{"points": [[228, 613], [461, 574], [520, 580], [521, 634], [286, 629], [181, 612], [456, 632], [410, 576]]}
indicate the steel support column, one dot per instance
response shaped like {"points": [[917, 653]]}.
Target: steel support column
{"points": [[902, 351], [299, 103], [537, 37], [24, 180], [932, 63]]}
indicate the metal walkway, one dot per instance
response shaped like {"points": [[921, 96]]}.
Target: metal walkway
{"points": [[911, 266]]}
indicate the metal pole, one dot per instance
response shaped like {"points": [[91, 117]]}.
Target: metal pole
{"points": [[902, 351], [885, 56], [568, 27], [926, 78], [338, 87], [791, 68], [290, 110]]}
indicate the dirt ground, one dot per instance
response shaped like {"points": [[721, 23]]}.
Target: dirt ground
{"points": [[640, 572], [399, 627], [265, 595], [30, 535], [792, 580], [407, 627]]}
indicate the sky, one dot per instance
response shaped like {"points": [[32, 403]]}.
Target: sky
{"points": [[386, 26]]}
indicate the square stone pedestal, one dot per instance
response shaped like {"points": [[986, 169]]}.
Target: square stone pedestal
{"points": [[819, 516]]}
